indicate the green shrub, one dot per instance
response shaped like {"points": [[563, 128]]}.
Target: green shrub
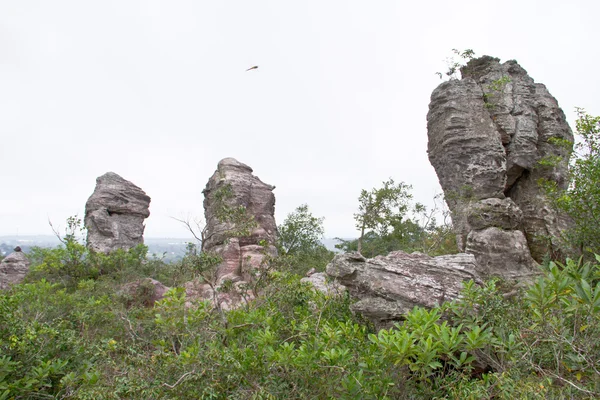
{"points": [[77, 340]]}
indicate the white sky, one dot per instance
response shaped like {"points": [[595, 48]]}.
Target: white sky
{"points": [[157, 92]]}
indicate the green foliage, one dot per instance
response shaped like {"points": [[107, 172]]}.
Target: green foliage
{"points": [[494, 88], [199, 263], [81, 342], [300, 230], [388, 220], [380, 210], [580, 200], [499, 84], [300, 242], [226, 210], [455, 65]]}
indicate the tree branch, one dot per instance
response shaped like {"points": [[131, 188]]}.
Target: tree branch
{"points": [[181, 378]]}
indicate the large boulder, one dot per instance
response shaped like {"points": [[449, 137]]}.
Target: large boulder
{"points": [[13, 268], [387, 287], [502, 253], [490, 134], [115, 214], [242, 240]]}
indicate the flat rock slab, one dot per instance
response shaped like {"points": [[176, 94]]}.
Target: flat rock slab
{"points": [[387, 287]]}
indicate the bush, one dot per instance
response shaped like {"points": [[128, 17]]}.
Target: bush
{"points": [[495, 341]]}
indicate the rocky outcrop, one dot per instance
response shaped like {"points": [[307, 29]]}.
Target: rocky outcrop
{"points": [[13, 268], [493, 135], [115, 214], [321, 282], [239, 210], [387, 287]]}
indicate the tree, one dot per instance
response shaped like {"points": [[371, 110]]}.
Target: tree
{"points": [[388, 221], [581, 199], [300, 241], [455, 66], [382, 209], [300, 231]]}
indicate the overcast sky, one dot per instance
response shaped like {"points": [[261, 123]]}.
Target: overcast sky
{"points": [[157, 92]]}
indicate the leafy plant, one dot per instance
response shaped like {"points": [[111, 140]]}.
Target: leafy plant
{"points": [[300, 243], [454, 65], [581, 198]]}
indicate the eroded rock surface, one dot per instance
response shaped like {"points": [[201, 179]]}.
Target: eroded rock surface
{"points": [[387, 287], [13, 268], [233, 185], [490, 137], [115, 214]]}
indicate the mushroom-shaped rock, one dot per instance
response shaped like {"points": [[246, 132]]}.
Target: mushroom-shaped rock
{"points": [[13, 268], [115, 214]]}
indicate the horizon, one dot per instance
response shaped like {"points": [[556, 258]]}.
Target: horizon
{"points": [[338, 104]]}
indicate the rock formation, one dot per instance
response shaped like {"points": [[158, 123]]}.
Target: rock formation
{"points": [[13, 268], [323, 284], [145, 291], [492, 136], [115, 214], [233, 186], [387, 287]]}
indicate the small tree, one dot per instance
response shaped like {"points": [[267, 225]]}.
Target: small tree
{"points": [[388, 220], [300, 240], [379, 210], [581, 200], [300, 231], [454, 66]]}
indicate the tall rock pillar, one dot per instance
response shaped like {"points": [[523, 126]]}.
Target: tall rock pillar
{"points": [[241, 253], [489, 135], [231, 186], [115, 214]]}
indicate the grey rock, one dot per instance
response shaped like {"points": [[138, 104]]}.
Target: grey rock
{"points": [[322, 283], [501, 253], [387, 287], [13, 268], [115, 214], [487, 134], [248, 191], [243, 255], [238, 295], [499, 213]]}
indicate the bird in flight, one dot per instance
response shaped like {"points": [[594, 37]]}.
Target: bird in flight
{"points": [[254, 67]]}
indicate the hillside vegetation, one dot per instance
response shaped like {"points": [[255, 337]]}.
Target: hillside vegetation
{"points": [[72, 330]]}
